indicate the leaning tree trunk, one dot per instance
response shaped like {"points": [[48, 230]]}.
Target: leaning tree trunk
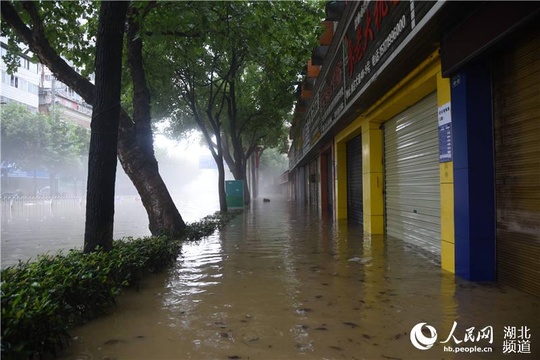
{"points": [[142, 168], [166, 219], [104, 126], [138, 162]]}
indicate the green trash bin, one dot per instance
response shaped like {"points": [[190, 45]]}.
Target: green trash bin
{"points": [[234, 191]]}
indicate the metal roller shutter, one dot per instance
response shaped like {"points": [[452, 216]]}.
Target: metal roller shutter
{"points": [[412, 183], [313, 180], [355, 205], [516, 85]]}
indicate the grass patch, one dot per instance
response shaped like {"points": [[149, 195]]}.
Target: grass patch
{"points": [[43, 299]]}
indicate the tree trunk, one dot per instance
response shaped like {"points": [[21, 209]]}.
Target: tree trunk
{"points": [[167, 220], [221, 185], [142, 169], [236, 161], [218, 157], [238, 169], [104, 126], [247, 193], [137, 160]]}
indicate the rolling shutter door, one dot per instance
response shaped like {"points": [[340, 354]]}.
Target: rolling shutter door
{"points": [[313, 184], [412, 180], [355, 206], [329, 184], [516, 86]]}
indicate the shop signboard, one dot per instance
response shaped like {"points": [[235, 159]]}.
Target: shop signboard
{"points": [[375, 33]]}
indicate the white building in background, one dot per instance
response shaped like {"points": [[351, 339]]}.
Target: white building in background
{"points": [[34, 86], [23, 86], [55, 95]]}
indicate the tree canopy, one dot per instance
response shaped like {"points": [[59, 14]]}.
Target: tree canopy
{"points": [[235, 66]]}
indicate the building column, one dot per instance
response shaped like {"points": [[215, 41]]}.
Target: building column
{"points": [[474, 183], [372, 178], [447, 190]]}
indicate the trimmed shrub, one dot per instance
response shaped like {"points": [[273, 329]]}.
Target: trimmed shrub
{"points": [[43, 299]]}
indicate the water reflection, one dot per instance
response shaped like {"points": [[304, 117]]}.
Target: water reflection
{"points": [[278, 284], [34, 226]]}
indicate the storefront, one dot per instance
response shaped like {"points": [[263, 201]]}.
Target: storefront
{"points": [[313, 184], [327, 181], [355, 208], [431, 111], [496, 119]]}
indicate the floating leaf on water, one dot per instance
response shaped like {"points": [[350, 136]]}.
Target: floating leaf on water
{"points": [[390, 357], [113, 341]]}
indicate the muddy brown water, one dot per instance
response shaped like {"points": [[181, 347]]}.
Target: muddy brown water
{"points": [[281, 283]]}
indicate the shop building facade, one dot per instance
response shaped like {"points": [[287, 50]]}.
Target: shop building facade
{"points": [[422, 124]]}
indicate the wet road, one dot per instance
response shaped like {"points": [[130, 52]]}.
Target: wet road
{"points": [[279, 283]]}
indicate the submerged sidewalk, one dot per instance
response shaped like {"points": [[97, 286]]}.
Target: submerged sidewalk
{"points": [[281, 283]]}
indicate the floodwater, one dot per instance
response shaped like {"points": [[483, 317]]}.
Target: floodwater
{"points": [[279, 282], [31, 226]]}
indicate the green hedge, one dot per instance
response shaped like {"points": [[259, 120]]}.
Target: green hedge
{"points": [[43, 299]]}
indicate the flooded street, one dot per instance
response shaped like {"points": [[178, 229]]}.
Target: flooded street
{"points": [[280, 283], [33, 226]]}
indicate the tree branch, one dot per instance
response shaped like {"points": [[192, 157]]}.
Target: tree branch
{"points": [[39, 45], [173, 33]]}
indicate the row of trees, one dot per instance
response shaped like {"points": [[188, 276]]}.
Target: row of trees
{"points": [[227, 68], [235, 75], [38, 141]]}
